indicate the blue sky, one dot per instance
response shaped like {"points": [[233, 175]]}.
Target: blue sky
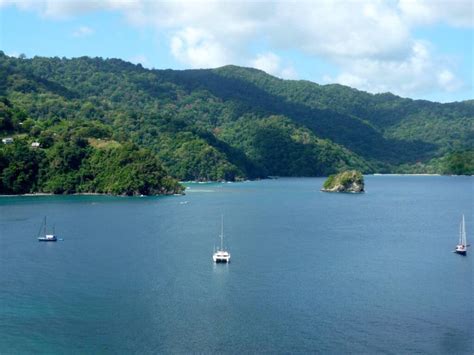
{"points": [[421, 49]]}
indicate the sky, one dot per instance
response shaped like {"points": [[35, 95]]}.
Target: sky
{"points": [[422, 49]]}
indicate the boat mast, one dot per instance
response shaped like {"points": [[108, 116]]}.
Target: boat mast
{"points": [[44, 225], [463, 232], [222, 232]]}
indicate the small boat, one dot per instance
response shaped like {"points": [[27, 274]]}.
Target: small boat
{"points": [[461, 248], [46, 237], [221, 255]]}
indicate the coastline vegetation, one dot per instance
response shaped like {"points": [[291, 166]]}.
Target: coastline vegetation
{"points": [[109, 126], [345, 181], [78, 157]]}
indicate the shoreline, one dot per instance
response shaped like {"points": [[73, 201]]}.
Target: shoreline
{"points": [[401, 174], [42, 194], [39, 194], [394, 174]]}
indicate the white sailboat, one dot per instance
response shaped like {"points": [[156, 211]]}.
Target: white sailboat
{"points": [[46, 237], [461, 248], [221, 255]]}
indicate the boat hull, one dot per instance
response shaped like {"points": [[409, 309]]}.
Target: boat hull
{"points": [[221, 257], [47, 240], [461, 247], [222, 261]]}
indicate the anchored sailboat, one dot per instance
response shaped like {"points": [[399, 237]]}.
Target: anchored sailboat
{"points": [[46, 237], [221, 255], [461, 248]]}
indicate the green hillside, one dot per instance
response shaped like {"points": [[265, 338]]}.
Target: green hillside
{"points": [[235, 123], [60, 156]]}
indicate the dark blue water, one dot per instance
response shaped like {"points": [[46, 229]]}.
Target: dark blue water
{"points": [[310, 271]]}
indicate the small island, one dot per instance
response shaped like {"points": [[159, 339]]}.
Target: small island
{"points": [[351, 181]]}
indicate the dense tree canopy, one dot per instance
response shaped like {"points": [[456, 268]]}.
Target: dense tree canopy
{"points": [[218, 124], [77, 156]]}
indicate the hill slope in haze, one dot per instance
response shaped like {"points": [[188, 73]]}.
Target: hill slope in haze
{"points": [[233, 122]]}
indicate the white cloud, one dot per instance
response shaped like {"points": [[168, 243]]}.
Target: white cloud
{"points": [[419, 73], [83, 31], [268, 62], [271, 63], [336, 29], [213, 33], [371, 42], [458, 13], [448, 81], [198, 48], [57, 9], [289, 72]]}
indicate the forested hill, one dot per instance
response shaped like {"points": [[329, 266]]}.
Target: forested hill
{"points": [[233, 122]]}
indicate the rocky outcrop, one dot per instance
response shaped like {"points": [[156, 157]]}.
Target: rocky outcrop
{"points": [[351, 181]]}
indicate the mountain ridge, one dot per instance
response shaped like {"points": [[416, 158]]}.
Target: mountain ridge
{"points": [[235, 122]]}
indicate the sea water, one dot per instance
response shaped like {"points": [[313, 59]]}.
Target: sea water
{"points": [[310, 271]]}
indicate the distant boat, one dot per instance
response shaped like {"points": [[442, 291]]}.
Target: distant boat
{"points": [[221, 255], [46, 237], [461, 248]]}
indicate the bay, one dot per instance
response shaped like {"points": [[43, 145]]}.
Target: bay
{"points": [[310, 271]]}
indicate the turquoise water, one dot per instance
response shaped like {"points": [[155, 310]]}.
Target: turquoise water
{"points": [[310, 271]]}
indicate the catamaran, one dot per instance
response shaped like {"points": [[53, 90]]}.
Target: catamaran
{"points": [[46, 237], [221, 255], [461, 248]]}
